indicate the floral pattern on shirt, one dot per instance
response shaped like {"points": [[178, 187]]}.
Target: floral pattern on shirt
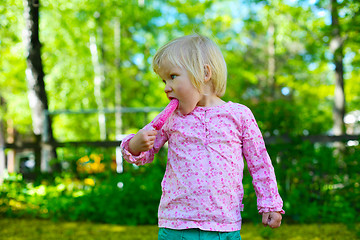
{"points": [[202, 186]]}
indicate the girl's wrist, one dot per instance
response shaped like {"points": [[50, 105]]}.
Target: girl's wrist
{"points": [[132, 150]]}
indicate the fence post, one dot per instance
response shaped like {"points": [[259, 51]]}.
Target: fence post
{"points": [[45, 149], [118, 156], [2, 152]]}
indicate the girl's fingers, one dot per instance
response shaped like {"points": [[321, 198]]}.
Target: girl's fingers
{"points": [[272, 219], [275, 220], [150, 132], [265, 219]]}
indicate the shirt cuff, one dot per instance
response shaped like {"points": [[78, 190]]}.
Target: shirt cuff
{"points": [[271, 209], [127, 155]]}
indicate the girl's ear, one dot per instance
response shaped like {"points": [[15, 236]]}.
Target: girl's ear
{"points": [[207, 74]]}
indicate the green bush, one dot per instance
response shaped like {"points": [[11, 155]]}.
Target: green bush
{"points": [[129, 198], [315, 184]]}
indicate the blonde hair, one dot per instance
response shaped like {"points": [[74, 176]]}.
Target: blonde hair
{"points": [[193, 52]]}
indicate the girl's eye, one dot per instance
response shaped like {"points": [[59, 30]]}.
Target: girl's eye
{"points": [[172, 76]]}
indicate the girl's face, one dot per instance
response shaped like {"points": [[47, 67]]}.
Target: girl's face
{"points": [[178, 85]]}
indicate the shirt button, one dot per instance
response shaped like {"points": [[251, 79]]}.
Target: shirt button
{"points": [[206, 120]]}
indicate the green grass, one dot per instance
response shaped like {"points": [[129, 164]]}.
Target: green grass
{"points": [[19, 229]]}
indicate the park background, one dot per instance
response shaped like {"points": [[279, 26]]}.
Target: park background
{"points": [[76, 76]]}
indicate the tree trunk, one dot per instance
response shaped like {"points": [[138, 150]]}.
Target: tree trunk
{"points": [[118, 117], [271, 59], [99, 78], [36, 87], [117, 45], [2, 152], [336, 47], [2, 143], [12, 165]]}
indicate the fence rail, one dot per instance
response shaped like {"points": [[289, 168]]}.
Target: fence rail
{"points": [[268, 140], [312, 138]]}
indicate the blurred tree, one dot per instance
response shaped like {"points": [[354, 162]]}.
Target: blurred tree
{"points": [[12, 68], [281, 51], [117, 77], [2, 141], [96, 44], [337, 49], [36, 88], [342, 34], [78, 23], [277, 53]]}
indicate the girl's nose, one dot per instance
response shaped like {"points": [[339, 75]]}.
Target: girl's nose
{"points": [[167, 88]]}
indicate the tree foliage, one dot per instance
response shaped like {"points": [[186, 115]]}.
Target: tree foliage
{"points": [[295, 97], [279, 63]]}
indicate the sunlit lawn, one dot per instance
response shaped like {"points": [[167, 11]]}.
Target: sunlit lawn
{"points": [[18, 229]]}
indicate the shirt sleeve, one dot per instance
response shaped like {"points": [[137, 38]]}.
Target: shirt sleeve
{"points": [[260, 166], [143, 157]]}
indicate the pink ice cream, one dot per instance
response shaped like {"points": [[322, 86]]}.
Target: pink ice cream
{"points": [[161, 119]]}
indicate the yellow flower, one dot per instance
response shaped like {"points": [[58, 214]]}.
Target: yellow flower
{"points": [[91, 164], [89, 182]]}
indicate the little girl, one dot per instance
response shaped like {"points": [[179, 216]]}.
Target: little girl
{"points": [[202, 187]]}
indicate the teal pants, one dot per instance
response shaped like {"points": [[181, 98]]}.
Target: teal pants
{"points": [[196, 234]]}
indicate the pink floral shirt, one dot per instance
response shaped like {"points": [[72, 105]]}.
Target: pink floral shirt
{"points": [[202, 186]]}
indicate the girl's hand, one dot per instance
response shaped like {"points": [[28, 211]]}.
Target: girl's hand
{"points": [[142, 141], [271, 219]]}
